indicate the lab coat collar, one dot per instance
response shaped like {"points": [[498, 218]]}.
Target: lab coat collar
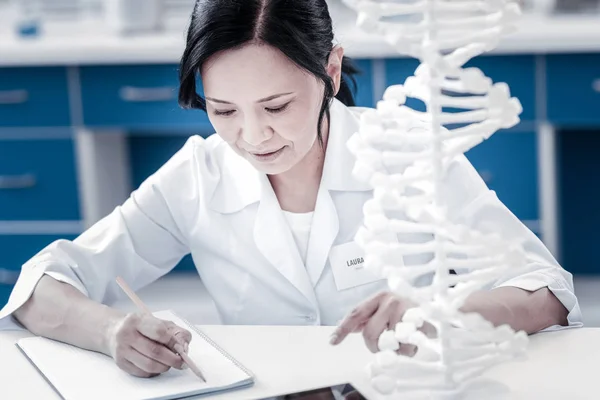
{"points": [[242, 185], [339, 161]]}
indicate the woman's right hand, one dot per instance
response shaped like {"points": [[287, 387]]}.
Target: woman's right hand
{"points": [[145, 346]]}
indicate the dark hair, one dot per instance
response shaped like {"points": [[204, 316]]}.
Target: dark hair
{"points": [[300, 29]]}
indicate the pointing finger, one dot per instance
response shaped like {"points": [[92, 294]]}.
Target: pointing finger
{"points": [[376, 325], [359, 316]]}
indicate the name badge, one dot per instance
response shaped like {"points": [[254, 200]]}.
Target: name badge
{"points": [[348, 264]]}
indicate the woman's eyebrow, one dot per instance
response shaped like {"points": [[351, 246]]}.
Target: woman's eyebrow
{"points": [[273, 97], [269, 98], [218, 101]]}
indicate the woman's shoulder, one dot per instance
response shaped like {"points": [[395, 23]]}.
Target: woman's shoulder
{"points": [[202, 150], [209, 166], [204, 144], [209, 158], [198, 159]]}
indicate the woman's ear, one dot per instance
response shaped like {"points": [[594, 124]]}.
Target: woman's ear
{"points": [[334, 67]]}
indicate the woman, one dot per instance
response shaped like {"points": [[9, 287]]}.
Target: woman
{"points": [[268, 207]]}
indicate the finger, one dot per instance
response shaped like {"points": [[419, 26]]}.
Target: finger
{"points": [[182, 336], [156, 351], [376, 325], [359, 316], [160, 331], [132, 369], [145, 363], [360, 327], [396, 312]]}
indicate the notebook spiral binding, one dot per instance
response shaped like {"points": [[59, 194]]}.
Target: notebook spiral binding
{"points": [[215, 345]]}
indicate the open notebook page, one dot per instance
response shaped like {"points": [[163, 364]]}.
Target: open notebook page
{"points": [[80, 374]]}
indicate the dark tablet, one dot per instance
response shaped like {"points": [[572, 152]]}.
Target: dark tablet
{"points": [[337, 392]]}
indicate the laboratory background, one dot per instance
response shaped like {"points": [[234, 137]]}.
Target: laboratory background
{"points": [[88, 110]]}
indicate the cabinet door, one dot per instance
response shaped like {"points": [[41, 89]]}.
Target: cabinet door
{"points": [[34, 97], [573, 86], [137, 98], [364, 83], [507, 162], [517, 71], [38, 180], [579, 194]]}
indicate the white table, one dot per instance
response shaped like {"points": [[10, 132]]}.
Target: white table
{"points": [[560, 365]]}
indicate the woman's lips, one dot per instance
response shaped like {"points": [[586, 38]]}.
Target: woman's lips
{"points": [[267, 156]]}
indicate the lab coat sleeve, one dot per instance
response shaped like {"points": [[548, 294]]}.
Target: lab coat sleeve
{"points": [[140, 240], [471, 202]]}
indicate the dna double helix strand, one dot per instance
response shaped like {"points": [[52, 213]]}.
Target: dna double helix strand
{"points": [[427, 256]]}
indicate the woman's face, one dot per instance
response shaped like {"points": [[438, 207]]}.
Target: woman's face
{"points": [[263, 105]]}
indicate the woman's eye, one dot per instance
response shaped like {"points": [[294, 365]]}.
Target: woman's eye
{"points": [[224, 113], [277, 109]]}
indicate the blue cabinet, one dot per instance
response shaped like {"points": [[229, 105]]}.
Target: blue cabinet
{"points": [[38, 177], [147, 153], [38, 180], [396, 72], [579, 192], [364, 83], [137, 98], [38, 193], [4, 293], [507, 162], [517, 71], [573, 87], [34, 97]]}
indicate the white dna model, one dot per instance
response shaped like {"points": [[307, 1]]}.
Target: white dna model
{"points": [[404, 154]]}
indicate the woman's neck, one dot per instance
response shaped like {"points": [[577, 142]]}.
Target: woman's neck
{"points": [[297, 188]]}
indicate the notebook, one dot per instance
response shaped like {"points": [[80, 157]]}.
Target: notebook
{"points": [[77, 374]]}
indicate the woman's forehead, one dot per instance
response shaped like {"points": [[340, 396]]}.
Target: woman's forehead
{"points": [[260, 67]]}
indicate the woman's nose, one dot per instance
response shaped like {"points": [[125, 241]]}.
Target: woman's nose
{"points": [[254, 133]]}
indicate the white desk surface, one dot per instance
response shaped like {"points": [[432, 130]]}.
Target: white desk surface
{"points": [[560, 365], [90, 43]]}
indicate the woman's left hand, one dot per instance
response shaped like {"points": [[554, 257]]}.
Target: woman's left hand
{"points": [[375, 315]]}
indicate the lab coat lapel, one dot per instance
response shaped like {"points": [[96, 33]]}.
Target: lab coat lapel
{"points": [[324, 230], [337, 176], [240, 185], [274, 239]]}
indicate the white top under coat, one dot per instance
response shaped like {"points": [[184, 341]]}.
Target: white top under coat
{"points": [[300, 224]]}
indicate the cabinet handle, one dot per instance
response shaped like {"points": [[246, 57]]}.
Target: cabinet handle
{"points": [[135, 94], [17, 181], [14, 96], [596, 85], [487, 176], [8, 277]]}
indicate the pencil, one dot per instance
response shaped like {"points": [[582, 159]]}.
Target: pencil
{"points": [[140, 304]]}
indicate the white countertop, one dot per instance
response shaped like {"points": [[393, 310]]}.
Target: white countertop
{"points": [[558, 365], [83, 43]]}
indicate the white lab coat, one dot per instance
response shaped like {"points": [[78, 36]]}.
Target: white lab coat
{"points": [[209, 202]]}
